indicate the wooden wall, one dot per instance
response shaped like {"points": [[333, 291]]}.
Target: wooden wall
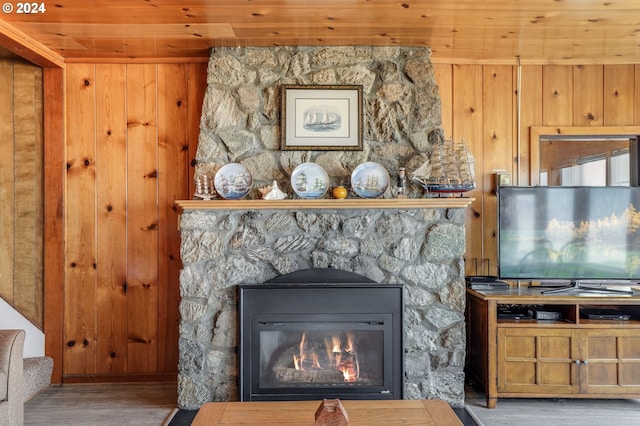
{"points": [[21, 187], [131, 134], [481, 106]]}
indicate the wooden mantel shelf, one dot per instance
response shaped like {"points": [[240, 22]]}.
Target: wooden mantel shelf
{"points": [[350, 203]]}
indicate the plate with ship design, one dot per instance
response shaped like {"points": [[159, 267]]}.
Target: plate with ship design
{"points": [[370, 180], [233, 181], [309, 180]]}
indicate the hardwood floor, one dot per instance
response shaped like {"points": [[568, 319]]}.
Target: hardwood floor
{"points": [[113, 404], [152, 404], [102, 405]]}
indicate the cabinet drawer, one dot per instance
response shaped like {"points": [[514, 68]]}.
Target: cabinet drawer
{"points": [[536, 360], [610, 361]]}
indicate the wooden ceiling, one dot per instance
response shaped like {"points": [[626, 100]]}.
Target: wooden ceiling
{"points": [[459, 31]]}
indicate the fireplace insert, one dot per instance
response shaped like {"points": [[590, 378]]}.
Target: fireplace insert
{"points": [[321, 333]]}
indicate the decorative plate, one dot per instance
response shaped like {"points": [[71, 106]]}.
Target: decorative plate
{"points": [[309, 180], [370, 180], [233, 181]]}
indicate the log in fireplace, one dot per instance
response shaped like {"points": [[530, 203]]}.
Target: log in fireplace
{"points": [[321, 333]]}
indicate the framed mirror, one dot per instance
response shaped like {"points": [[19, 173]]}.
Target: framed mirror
{"points": [[584, 156]]}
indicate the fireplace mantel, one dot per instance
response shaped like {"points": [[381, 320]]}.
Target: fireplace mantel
{"points": [[355, 203]]}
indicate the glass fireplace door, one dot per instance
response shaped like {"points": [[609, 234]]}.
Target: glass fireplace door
{"points": [[320, 354]]}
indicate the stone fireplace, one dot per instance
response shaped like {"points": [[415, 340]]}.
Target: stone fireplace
{"points": [[228, 243], [418, 248]]}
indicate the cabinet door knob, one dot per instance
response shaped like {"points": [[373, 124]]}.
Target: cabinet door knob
{"points": [[585, 362], [577, 361]]}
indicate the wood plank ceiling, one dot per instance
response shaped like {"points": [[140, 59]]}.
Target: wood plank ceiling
{"points": [[534, 31]]}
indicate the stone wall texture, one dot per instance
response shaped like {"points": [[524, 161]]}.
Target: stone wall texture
{"points": [[241, 110], [421, 249]]}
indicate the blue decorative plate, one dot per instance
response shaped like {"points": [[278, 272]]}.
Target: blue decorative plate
{"points": [[233, 181], [309, 180], [370, 180]]}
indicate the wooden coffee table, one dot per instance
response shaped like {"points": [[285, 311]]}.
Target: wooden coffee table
{"points": [[360, 413]]}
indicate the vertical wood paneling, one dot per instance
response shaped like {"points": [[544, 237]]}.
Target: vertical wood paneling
{"points": [[21, 187], [476, 106], [27, 259], [530, 115], [173, 151], [7, 180], [557, 95], [142, 217], [111, 190], [588, 106], [619, 92], [25, 153], [80, 284], [498, 100], [91, 336], [54, 241], [138, 134], [467, 125], [38, 200]]}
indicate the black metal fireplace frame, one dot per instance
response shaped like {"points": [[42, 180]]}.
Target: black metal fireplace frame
{"points": [[382, 308]]}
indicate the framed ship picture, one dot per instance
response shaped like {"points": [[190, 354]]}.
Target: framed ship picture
{"points": [[323, 118]]}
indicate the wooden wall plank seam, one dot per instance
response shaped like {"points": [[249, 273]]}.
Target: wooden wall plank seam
{"points": [[38, 199], [111, 221], [27, 261], [21, 187], [80, 223], [531, 114], [142, 217], [467, 125], [7, 179], [54, 217], [497, 152], [173, 155]]}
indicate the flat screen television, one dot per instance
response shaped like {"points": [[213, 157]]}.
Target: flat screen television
{"points": [[569, 233]]}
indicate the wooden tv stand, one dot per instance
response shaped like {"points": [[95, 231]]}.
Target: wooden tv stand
{"points": [[569, 358]]}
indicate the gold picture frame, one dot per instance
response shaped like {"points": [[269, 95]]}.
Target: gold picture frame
{"points": [[321, 117]]}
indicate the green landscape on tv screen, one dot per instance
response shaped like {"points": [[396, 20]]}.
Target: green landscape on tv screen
{"points": [[569, 233]]}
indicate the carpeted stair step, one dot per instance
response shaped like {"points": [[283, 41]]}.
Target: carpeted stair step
{"points": [[37, 375]]}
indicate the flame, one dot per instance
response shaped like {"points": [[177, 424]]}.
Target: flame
{"points": [[348, 376], [336, 344], [296, 363], [299, 361], [338, 357], [349, 347], [350, 370]]}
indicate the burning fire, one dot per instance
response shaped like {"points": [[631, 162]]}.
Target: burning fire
{"points": [[339, 356]]}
